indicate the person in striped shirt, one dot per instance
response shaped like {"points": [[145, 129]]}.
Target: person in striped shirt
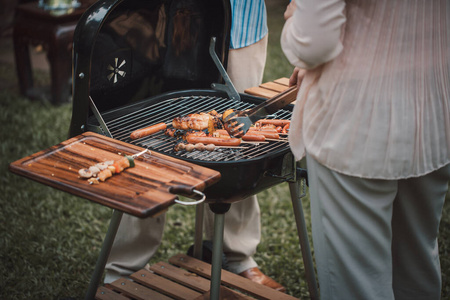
{"points": [[135, 244], [246, 62]]}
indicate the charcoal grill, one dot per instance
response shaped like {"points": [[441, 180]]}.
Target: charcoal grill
{"points": [[138, 63], [132, 90]]}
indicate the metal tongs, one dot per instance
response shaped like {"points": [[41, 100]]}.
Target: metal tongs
{"points": [[237, 123]]}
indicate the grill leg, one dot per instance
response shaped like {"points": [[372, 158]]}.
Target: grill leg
{"points": [[303, 237], [104, 253], [216, 261], [198, 238], [219, 211]]}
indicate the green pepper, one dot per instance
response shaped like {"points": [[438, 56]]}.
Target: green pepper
{"points": [[130, 160]]}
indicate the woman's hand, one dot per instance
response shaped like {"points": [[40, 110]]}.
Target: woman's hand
{"points": [[297, 77], [289, 10]]}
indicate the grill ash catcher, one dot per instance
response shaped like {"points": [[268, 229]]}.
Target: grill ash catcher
{"points": [[138, 63]]}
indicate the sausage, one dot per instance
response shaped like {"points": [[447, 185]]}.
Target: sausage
{"points": [[286, 128], [265, 129], [221, 133], [276, 122], [147, 131], [270, 135], [266, 134], [253, 137], [213, 140]]}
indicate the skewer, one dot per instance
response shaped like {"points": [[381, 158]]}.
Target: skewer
{"points": [[247, 142], [140, 153], [277, 140], [232, 147]]}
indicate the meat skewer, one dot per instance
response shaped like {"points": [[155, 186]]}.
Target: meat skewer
{"points": [[202, 147], [103, 171], [191, 139]]}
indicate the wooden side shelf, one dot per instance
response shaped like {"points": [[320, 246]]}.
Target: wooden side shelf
{"points": [[269, 89], [184, 278]]}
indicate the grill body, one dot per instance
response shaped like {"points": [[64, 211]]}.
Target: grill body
{"points": [[128, 50], [141, 67]]}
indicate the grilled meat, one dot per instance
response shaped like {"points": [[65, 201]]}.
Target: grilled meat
{"points": [[199, 121]]}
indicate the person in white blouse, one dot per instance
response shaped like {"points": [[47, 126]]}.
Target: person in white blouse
{"points": [[372, 117]]}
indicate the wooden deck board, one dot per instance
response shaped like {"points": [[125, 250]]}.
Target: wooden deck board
{"points": [[228, 279], [184, 277]]}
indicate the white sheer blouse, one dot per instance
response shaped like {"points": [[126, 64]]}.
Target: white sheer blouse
{"points": [[375, 101]]}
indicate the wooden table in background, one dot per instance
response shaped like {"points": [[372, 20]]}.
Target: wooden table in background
{"points": [[37, 26]]}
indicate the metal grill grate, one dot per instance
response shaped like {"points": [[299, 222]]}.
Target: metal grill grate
{"points": [[165, 110]]}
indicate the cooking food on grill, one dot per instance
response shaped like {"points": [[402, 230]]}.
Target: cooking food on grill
{"points": [[268, 133], [286, 128], [191, 147], [147, 131], [253, 137], [102, 171], [227, 113], [173, 132], [195, 133], [220, 133], [192, 139], [200, 121], [276, 122], [266, 128]]}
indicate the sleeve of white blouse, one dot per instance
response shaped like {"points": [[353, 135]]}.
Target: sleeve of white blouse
{"points": [[311, 36]]}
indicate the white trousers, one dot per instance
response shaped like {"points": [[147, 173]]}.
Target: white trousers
{"points": [[137, 240], [376, 239]]}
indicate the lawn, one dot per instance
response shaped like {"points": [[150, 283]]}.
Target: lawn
{"points": [[50, 240]]}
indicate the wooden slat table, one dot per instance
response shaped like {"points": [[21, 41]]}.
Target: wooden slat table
{"points": [[54, 30], [184, 278]]}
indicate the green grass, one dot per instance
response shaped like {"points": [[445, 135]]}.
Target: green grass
{"points": [[50, 240]]}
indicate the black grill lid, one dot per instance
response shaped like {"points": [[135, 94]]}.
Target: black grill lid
{"points": [[129, 50]]}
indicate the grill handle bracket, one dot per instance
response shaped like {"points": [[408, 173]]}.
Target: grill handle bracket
{"points": [[288, 178], [187, 190], [228, 87]]}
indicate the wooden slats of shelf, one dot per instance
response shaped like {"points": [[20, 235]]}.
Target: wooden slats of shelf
{"points": [[269, 89], [184, 278]]}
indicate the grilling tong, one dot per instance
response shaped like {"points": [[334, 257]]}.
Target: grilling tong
{"points": [[237, 123]]}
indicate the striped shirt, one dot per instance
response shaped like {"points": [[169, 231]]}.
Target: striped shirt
{"points": [[249, 23]]}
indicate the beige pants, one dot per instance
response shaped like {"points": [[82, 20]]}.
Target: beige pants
{"points": [[137, 240], [376, 239]]}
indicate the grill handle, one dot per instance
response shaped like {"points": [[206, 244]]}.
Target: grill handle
{"points": [[99, 118], [186, 191], [228, 87]]}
